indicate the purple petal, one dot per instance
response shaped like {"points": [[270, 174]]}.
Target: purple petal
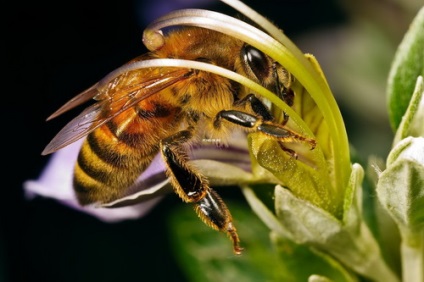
{"points": [[236, 156], [56, 182]]}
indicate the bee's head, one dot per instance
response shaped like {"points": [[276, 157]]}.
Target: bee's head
{"points": [[262, 69]]}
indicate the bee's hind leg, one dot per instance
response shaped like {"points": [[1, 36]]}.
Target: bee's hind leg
{"points": [[193, 187]]}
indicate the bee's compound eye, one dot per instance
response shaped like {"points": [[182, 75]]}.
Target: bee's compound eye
{"points": [[256, 61]]}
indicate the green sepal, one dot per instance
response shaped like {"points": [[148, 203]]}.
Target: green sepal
{"points": [[307, 176]]}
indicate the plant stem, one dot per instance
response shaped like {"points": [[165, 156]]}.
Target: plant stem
{"points": [[412, 252]]}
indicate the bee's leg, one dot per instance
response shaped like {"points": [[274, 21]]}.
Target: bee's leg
{"points": [[193, 187], [286, 94], [273, 130], [291, 152], [213, 211], [257, 106], [263, 123]]}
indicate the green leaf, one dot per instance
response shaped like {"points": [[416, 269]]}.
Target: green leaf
{"points": [[412, 121], [407, 65], [305, 262], [206, 255]]}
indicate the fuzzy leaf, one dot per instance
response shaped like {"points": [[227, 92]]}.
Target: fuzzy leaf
{"points": [[350, 240], [407, 65], [400, 190], [401, 186], [412, 121]]}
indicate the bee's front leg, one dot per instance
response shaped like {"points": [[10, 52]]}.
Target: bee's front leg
{"points": [[193, 187], [263, 125]]}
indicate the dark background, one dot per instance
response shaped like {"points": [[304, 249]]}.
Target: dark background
{"points": [[54, 51]]}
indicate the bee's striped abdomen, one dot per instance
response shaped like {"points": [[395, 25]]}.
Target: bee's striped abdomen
{"points": [[114, 155]]}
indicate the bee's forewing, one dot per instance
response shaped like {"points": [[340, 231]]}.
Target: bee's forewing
{"points": [[76, 101], [92, 118]]}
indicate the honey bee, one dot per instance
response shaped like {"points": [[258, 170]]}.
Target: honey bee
{"points": [[163, 110]]}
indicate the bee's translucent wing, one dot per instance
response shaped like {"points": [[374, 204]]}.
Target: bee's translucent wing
{"points": [[121, 100], [77, 128], [76, 101]]}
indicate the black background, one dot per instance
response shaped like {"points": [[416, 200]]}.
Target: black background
{"points": [[54, 51]]}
